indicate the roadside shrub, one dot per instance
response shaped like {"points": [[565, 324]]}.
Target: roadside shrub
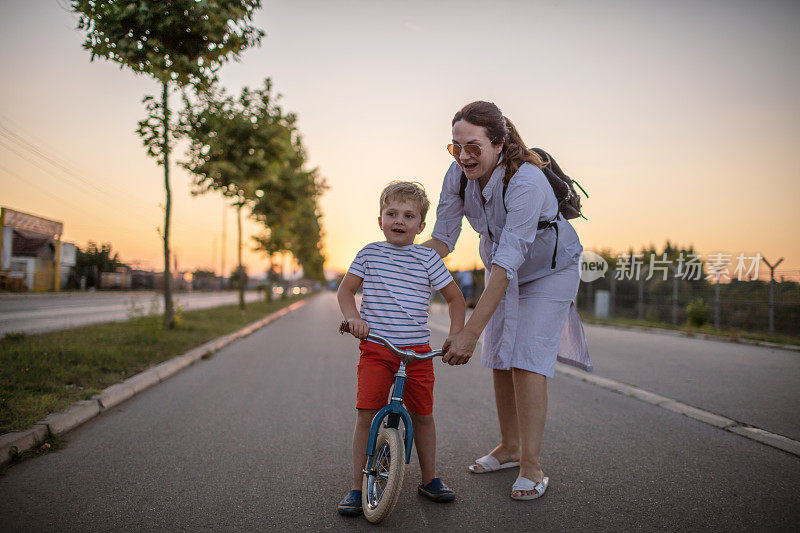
{"points": [[697, 313]]}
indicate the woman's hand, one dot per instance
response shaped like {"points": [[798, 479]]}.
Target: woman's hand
{"points": [[358, 328], [458, 348]]}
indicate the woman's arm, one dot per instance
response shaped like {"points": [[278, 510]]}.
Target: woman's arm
{"points": [[459, 347], [438, 246]]}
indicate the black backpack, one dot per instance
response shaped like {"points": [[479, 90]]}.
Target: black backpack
{"points": [[569, 201]]}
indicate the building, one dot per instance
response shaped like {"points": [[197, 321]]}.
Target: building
{"points": [[32, 256]]}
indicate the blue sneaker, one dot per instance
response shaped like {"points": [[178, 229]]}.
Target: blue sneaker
{"points": [[351, 505], [437, 491]]}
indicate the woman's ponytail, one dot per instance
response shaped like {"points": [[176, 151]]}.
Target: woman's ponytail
{"points": [[515, 152]]}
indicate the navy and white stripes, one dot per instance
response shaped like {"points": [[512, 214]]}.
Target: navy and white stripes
{"points": [[398, 281]]}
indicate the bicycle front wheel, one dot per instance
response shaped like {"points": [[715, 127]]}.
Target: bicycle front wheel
{"points": [[384, 478]]}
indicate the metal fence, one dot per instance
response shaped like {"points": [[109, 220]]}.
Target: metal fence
{"points": [[741, 305]]}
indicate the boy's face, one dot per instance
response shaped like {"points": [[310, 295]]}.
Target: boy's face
{"points": [[401, 222]]}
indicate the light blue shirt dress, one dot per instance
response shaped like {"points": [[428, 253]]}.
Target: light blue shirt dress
{"points": [[509, 238]]}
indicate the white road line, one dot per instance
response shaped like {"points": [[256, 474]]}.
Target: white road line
{"points": [[753, 433]]}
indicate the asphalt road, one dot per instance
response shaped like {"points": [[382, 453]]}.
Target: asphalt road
{"points": [[39, 313], [754, 385], [257, 439]]}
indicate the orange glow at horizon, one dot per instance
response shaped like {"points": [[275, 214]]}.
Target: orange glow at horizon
{"points": [[679, 128]]}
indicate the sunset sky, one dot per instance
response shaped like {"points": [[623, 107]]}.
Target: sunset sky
{"points": [[680, 118]]}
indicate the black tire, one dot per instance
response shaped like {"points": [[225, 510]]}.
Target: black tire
{"points": [[381, 489]]}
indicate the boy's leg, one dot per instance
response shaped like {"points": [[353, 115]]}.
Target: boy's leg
{"points": [[360, 435], [425, 441]]}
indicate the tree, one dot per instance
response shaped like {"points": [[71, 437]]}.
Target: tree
{"points": [[180, 43], [290, 213], [93, 260], [239, 147]]}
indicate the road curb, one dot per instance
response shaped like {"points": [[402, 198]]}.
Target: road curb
{"points": [[82, 411], [692, 335], [701, 415], [771, 439]]}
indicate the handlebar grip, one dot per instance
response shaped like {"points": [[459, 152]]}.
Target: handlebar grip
{"points": [[344, 327]]}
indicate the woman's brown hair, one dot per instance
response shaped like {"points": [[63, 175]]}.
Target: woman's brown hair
{"points": [[500, 129]]}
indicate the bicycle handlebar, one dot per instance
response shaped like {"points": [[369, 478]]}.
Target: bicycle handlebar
{"points": [[344, 327]]}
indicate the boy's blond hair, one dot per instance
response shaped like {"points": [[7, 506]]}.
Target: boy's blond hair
{"points": [[406, 190]]}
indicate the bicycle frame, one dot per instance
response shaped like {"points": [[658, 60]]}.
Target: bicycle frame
{"points": [[394, 411]]}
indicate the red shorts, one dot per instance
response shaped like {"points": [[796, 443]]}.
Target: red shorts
{"points": [[376, 369]]}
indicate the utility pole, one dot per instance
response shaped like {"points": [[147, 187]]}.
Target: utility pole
{"points": [[716, 304], [224, 233], [772, 292], [214, 256]]}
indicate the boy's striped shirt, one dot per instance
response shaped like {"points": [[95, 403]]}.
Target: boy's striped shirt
{"points": [[398, 281]]}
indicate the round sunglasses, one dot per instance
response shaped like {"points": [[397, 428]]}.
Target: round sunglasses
{"points": [[473, 150]]}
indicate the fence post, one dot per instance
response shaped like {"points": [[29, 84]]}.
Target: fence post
{"points": [[611, 297], [640, 303], [674, 294], [772, 292]]}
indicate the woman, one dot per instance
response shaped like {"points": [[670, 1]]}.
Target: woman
{"points": [[533, 280]]}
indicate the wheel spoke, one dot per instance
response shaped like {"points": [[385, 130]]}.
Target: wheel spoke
{"points": [[376, 484]]}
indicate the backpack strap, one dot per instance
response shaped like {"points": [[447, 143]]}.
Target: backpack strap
{"points": [[551, 224], [543, 224], [463, 186]]}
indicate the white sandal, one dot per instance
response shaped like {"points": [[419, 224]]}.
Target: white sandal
{"points": [[525, 484], [489, 463]]}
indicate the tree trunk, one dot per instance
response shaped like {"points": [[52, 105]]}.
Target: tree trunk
{"points": [[239, 247], [268, 290], [169, 315]]}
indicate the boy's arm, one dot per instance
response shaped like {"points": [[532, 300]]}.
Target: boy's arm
{"points": [[346, 295], [455, 305]]}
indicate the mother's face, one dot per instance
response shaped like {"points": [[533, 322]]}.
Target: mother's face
{"points": [[482, 165]]}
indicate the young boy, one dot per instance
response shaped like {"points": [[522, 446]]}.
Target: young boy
{"points": [[398, 276]]}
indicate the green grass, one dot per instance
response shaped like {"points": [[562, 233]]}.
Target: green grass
{"points": [[40, 374], [730, 334]]}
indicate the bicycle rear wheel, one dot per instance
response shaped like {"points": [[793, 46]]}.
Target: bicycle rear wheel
{"points": [[382, 484]]}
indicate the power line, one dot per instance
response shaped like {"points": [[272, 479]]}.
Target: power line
{"points": [[52, 160], [11, 136], [48, 171], [61, 199], [41, 190]]}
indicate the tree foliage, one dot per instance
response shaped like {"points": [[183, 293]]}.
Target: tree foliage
{"points": [[248, 149], [237, 144], [91, 261], [180, 41]]}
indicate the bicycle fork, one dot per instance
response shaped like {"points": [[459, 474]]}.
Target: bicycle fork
{"points": [[393, 413]]}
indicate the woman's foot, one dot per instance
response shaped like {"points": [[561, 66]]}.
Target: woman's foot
{"points": [[536, 475], [499, 458]]}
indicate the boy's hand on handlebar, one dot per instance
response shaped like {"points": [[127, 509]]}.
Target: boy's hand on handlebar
{"points": [[358, 328], [458, 348]]}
